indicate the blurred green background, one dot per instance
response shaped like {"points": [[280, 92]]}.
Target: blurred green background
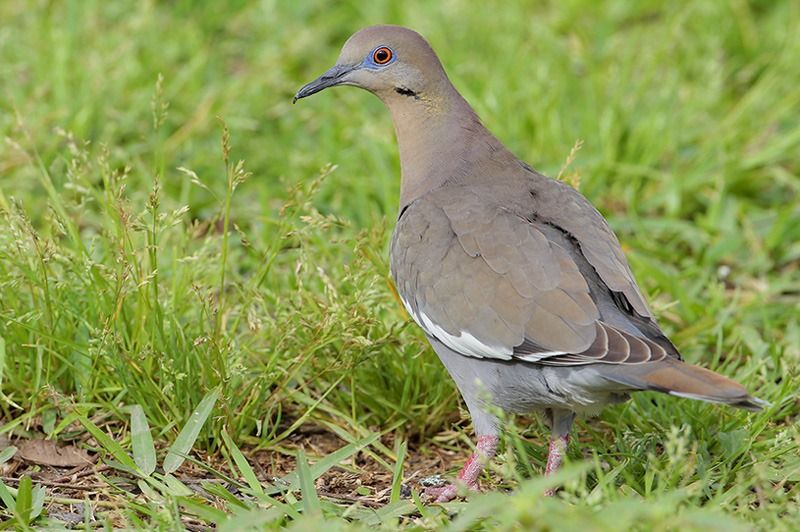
{"points": [[140, 264]]}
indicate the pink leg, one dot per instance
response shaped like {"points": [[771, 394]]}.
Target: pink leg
{"points": [[555, 457], [468, 477]]}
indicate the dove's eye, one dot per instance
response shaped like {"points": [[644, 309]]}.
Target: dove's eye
{"points": [[382, 55]]}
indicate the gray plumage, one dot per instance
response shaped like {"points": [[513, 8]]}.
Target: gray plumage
{"points": [[517, 280]]}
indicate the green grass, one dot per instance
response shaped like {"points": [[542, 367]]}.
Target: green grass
{"points": [[142, 264]]}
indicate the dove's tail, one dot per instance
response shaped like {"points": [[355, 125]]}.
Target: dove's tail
{"points": [[684, 380]]}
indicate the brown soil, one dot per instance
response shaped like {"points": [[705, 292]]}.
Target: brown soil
{"points": [[360, 479]]}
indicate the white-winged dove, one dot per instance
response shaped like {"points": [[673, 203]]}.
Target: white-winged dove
{"points": [[517, 280]]}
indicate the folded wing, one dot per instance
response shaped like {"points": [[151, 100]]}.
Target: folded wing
{"points": [[488, 282]]}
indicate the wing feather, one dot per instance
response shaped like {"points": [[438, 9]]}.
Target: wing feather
{"points": [[487, 282]]}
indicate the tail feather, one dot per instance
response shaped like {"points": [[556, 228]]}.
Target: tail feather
{"points": [[684, 380]]}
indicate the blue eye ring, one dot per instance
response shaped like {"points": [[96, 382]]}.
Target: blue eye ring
{"points": [[382, 55]]}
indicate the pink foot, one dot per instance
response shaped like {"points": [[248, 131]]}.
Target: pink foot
{"points": [[468, 477], [555, 457], [449, 492]]}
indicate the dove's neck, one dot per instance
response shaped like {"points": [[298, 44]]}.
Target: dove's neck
{"points": [[441, 140]]}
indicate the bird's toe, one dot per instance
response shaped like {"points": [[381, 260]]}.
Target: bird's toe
{"points": [[448, 492]]}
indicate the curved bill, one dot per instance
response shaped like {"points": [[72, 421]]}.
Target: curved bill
{"points": [[330, 78]]}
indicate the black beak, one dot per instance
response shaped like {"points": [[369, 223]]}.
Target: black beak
{"points": [[328, 79]]}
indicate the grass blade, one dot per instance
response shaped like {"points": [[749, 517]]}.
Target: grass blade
{"points": [[242, 464], [7, 453], [292, 481], [307, 489], [219, 491], [397, 476], [109, 445], [387, 515], [144, 452], [24, 501], [148, 491], [2, 359], [176, 488], [253, 519], [188, 435], [37, 502], [203, 510], [8, 498]]}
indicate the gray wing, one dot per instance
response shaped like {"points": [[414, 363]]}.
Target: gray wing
{"points": [[488, 282], [565, 208]]}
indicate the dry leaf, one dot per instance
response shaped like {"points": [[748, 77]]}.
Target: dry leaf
{"points": [[47, 452]]}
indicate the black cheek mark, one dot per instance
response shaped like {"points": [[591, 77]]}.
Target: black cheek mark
{"points": [[406, 92]]}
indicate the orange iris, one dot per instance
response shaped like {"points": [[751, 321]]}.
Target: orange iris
{"points": [[382, 55]]}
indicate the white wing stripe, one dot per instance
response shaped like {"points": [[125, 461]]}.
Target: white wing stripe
{"points": [[536, 357], [464, 343]]}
